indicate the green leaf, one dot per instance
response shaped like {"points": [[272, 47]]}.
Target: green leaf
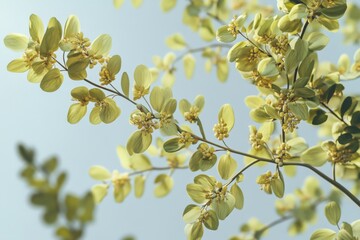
{"points": [[291, 61], [71, 204], [301, 49], [333, 213], [97, 94], [52, 80], [330, 24], [197, 231], [334, 12], [286, 25], [50, 165], [227, 166], [52, 37], [26, 154], [235, 190], [139, 142], [307, 66], [77, 70], [172, 145], [140, 162], [278, 186], [194, 163], [139, 186], [60, 180], [76, 112], [356, 228], [319, 118], [176, 42], [298, 11], [87, 205], [72, 26], [36, 28], [199, 102], [167, 5], [254, 101], [189, 65], [196, 192], [206, 164], [164, 184], [345, 106], [267, 67], [314, 156], [211, 221], [101, 45], [99, 191], [223, 207], [63, 232], [355, 119], [99, 173], [222, 69], [16, 42], [323, 234], [345, 138], [125, 84], [18, 66], [317, 41], [227, 114], [94, 117], [301, 82], [114, 64], [223, 35], [299, 109], [344, 235], [191, 213], [142, 76], [159, 97], [304, 92], [109, 111]]}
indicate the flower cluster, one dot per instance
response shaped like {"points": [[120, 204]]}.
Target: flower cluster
{"points": [[220, 130], [144, 121]]}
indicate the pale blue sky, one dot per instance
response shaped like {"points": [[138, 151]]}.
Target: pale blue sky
{"points": [[38, 119]]}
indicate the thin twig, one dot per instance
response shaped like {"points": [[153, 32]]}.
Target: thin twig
{"points": [[157, 169], [260, 232], [334, 113], [201, 128], [193, 50]]}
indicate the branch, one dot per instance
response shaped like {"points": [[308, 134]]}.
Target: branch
{"points": [[193, 50], [216, 18], [156, 169], [201, 128], [248, 39], [261, 231], [334, 113], [241, 171], [116, 92], [224, 147], [328, 179]]}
